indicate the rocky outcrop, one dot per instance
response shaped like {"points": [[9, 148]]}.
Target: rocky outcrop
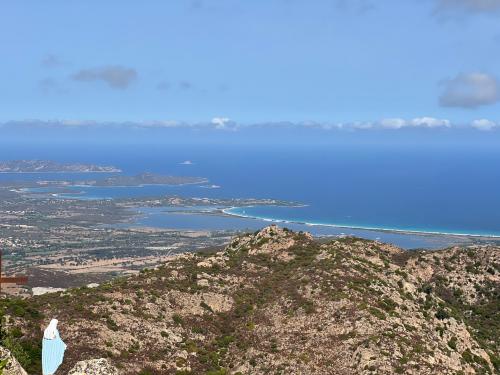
{"points": [[94, 367], [9, 365], [272, 240]]}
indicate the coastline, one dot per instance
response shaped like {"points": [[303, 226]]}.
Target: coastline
{"points": [[53, 172], [31, 189], [228, 211], [139, 185]]}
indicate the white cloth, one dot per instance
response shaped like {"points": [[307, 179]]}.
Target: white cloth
{"points": [[50, 332]]}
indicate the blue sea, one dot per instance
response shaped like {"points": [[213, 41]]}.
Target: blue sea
{"points": [[359, 189]]}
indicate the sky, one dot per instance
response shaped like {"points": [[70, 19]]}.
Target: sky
{"points": [[226, 64]]}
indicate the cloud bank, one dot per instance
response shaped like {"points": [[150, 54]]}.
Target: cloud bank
{"points": [[418, 122], [225, 124]]}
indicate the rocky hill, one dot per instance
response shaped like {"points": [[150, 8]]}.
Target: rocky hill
{"points": [[278, 302]]}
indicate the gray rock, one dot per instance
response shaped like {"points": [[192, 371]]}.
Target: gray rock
{"points": [[99, 366], [11, 366]]}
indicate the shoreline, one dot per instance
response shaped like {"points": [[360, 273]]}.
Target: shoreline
{"points": [[228, 211], [31, 189], [49, 172], [139, 185], [79, 195]]}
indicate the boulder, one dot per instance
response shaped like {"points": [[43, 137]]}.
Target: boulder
{"points": [[99, 366], [9, 365]]}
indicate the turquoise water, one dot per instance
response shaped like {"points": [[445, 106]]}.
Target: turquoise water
{"points": [[295, 215], [196, 218]]}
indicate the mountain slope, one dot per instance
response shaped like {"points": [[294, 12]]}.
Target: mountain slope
{"points": [[279, 302]]}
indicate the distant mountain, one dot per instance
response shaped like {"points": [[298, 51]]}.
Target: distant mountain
{"points": [[48, 166], [279, 302]]}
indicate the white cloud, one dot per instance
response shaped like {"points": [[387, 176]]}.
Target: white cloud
{"points": [[362, 125], [418, 122], [430, 122], [310, 124], [223, 123], [393, 123], [77, 123], [470, 90], [161, 124], [483, 124]]}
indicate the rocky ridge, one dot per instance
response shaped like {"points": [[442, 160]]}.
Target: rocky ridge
{"points": [[279, 302]]}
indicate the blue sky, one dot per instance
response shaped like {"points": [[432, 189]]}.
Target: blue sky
{"points": [[354, 64]]}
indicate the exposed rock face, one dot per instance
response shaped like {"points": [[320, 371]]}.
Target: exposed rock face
{"points": [[279, 302], [9, 365], [271, 240], [94, 367]]}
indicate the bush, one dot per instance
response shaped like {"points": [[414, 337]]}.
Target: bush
{"points": [[206, 307], [467, 356], [453, 343], [377, 313], [224, 341], [18, 311], [177, 319], [442, 314]]}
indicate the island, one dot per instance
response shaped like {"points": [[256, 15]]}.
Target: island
{"points": [[49, 166]]}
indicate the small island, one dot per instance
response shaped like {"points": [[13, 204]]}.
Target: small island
{"points": [[49, 166]]}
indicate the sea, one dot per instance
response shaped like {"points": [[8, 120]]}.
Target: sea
{"points": [[415, 197]]}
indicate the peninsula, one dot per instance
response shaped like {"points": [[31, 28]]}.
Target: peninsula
{"points": [[49, 166], [144, 179]]}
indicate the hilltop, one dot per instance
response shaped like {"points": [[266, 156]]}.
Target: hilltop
{"points": [[280, 302]]}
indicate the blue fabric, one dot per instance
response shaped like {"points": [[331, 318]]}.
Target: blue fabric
{"points": [[52, 354]]}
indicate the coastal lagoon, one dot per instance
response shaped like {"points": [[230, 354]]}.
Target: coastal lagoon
{"points": [[210, 218]]}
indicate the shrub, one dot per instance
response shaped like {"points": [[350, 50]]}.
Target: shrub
{"points": [[442, 314], [177, 319], [453, 343], [206, 307], [376, 312], [224, 341], [467, 356]]}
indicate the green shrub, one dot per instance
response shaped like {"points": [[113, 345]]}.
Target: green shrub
{"points": [[442, 314], [177, 319], [376, 312], [452, 343]]}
